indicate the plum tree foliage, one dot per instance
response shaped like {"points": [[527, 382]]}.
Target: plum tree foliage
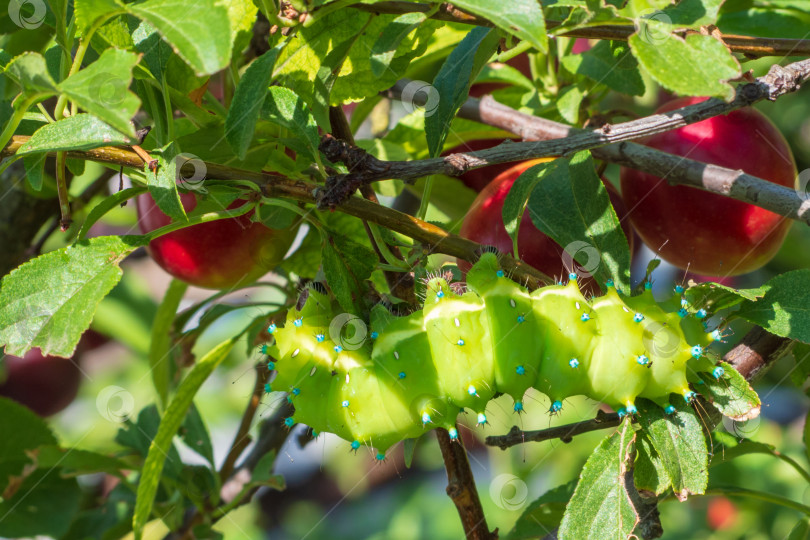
{"points": [[305, 152]]}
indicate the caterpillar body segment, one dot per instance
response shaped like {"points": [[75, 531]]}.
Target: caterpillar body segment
{"points": [[417, 372]]}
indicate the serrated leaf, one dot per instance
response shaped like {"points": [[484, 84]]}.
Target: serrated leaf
{"points": [[355, 32], [730, 394], [199, 31], [679, 441], [649, 473], [169, 424], [80, 132], [383, 50], [44, 505], [30, 72], [247, 102], [156, 52], [102, 89], [610, 63], [543, 515], [601, 506], [30, 432], [521, 18], [784, 310], [163, 185], [571, 205], [697, 65], [88, 12], [283, 107], [349, 264], [714, 296], [451, 85], [49, 301], [160, 354], [693, 13], [195, 434]]}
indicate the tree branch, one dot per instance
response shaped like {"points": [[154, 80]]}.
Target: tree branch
{"points": [[758, 350], [461, 488], [752, 47], [365, 168], [435, 239]]}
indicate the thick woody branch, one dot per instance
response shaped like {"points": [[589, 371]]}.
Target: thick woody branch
{"points": [[757, 351], [752, 47], [432, 237], [366, 168]]}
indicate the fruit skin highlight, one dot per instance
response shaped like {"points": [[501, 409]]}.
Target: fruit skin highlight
{"points": [[708, 233], [484, 224], [416, 372], [220, 254]]}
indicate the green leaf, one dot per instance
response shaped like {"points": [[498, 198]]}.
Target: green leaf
{"points": [[601, 506], [107, 204], [75, 461], [30, 72], [349, 264], [727, 447], [160, 353], [88, 12], [44, 505], [30, 432], [49, 301], [80, 132], [800, 531], [384, 49], [543, 515], [284, 108], [679, 442], [139, 436], [695, 66], [163, 185], [169, 424], [730, 394], [199, 31], [262, 474], [34, 170], [521, 18], [714, 296], [102, 89], [451, 85], [610, 63], [409, 447], [571, 205], [693, 13], [649, 473], [568, 103], [247, 102], [770, 21], [785, 308], [195, 434], [515, 203], [156, 52]]}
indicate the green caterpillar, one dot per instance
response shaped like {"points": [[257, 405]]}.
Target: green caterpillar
{"points": [[419, 371]]}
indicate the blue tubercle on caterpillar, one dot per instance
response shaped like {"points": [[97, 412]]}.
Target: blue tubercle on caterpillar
{"points": [[461, 350]]}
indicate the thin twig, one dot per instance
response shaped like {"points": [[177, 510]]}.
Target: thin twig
{"points": [[242, 438], [435, 238], [757, 351], [461, 488], [752, 47], [400, 283]]}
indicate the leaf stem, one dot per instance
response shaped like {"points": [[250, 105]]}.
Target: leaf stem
{"points": [[760, 495]]}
